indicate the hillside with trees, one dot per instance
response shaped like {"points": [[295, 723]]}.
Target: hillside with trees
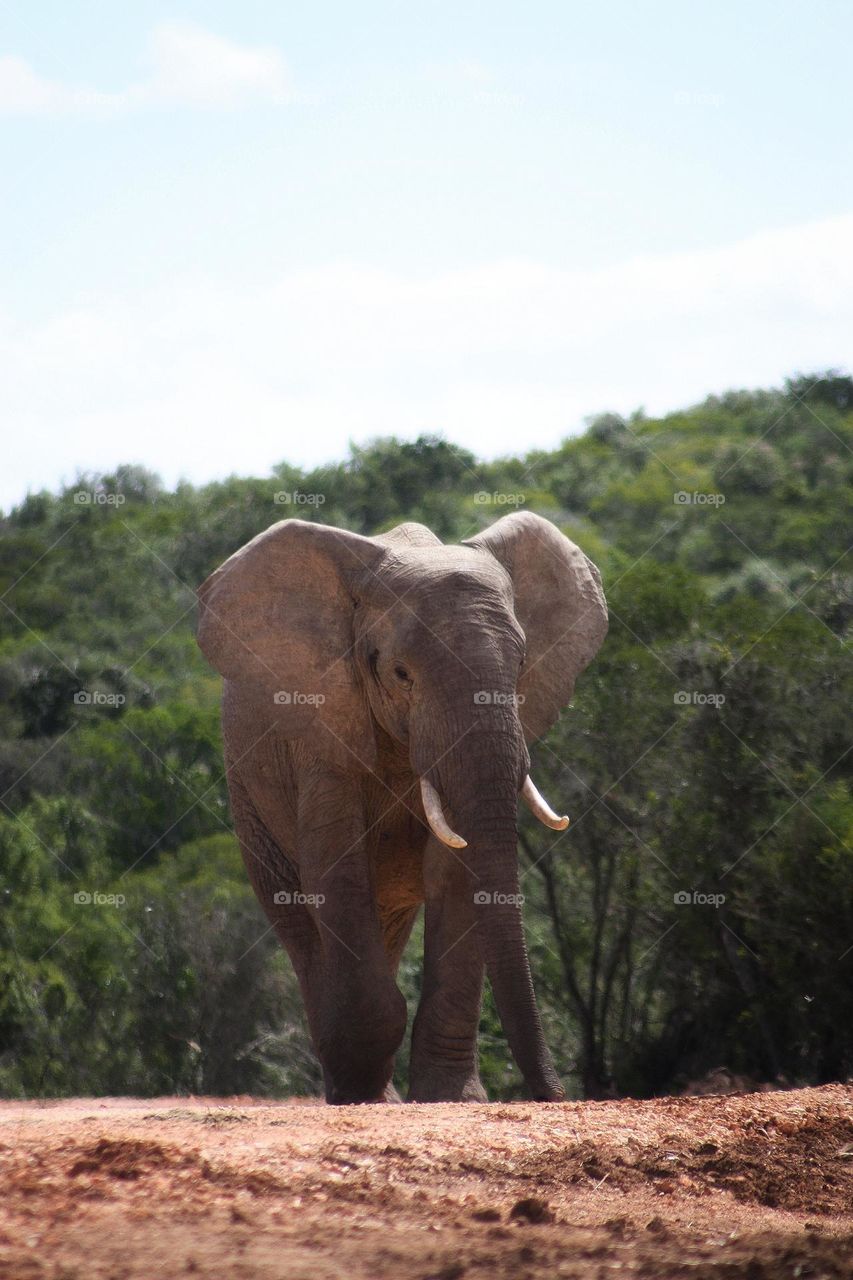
{"points": [[697, 913]]}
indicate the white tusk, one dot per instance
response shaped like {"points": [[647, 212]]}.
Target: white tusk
{"points": [[540, 807], [435, 817]]}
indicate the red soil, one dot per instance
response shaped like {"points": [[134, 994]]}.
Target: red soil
{"points": [[754, 1185]]}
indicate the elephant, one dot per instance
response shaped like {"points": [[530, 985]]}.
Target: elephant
{"points": [[379, 698]]}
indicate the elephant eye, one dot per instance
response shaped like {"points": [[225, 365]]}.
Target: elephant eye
{"points": [[402, 674]]}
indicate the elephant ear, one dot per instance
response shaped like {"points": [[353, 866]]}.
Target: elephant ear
{"points": [[559, 604], [277, 619]]}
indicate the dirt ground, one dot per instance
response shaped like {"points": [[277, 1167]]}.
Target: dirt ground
{"points": [[753, 1185]]}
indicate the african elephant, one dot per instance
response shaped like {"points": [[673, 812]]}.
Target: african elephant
{"points": [[379, 696]]}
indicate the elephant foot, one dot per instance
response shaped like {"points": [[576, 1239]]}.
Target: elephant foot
{"points": [[358, 1065], [546, 1086], [438, 1085], [358, 1087]]}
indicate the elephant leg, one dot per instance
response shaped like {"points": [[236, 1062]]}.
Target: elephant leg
{"points": [[444, 1062], [275, 880], [396, 930], [356, 1013]]}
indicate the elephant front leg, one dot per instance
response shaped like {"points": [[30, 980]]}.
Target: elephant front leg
{"points": [[445, 1059], [356, 1013]]}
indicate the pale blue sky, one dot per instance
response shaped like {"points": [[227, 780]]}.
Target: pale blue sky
{"points": [[238, 233]]}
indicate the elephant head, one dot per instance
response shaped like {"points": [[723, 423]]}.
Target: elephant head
{"points": [[459, 656]]}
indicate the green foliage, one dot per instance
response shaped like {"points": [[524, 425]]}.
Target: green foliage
{"points": [[706, 754]]}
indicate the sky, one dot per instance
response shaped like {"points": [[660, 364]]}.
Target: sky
{"points": [[238, 234]]}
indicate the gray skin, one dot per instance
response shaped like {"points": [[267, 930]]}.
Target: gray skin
{"points": [[352, 670]]}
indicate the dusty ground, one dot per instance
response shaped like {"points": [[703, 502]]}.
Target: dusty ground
{"points": [[757, 1186]]}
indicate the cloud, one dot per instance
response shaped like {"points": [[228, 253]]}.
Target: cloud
{"points": [[204, 378], [192, 65], [21, 90], [185, 65], [459, 71], [24, 92]]}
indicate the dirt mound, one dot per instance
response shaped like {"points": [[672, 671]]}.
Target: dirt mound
{"points": [[86, 1171], [129, 1159], [793, 1163], [757, 1186]]}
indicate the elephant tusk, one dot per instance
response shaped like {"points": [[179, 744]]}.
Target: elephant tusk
{"points": [[436, 819], [540, 808]]}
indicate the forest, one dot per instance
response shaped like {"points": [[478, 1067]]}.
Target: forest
{"points": [[696, 915]]}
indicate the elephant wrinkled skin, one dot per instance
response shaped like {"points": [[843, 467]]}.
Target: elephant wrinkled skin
{"points": [[379, 697]]}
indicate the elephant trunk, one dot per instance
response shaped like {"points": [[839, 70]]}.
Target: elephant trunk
{"points": [[497, 903], [479, 784]]}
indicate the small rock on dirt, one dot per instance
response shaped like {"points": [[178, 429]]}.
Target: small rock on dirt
{"points": [[532, 1210], [486, 1215]]}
